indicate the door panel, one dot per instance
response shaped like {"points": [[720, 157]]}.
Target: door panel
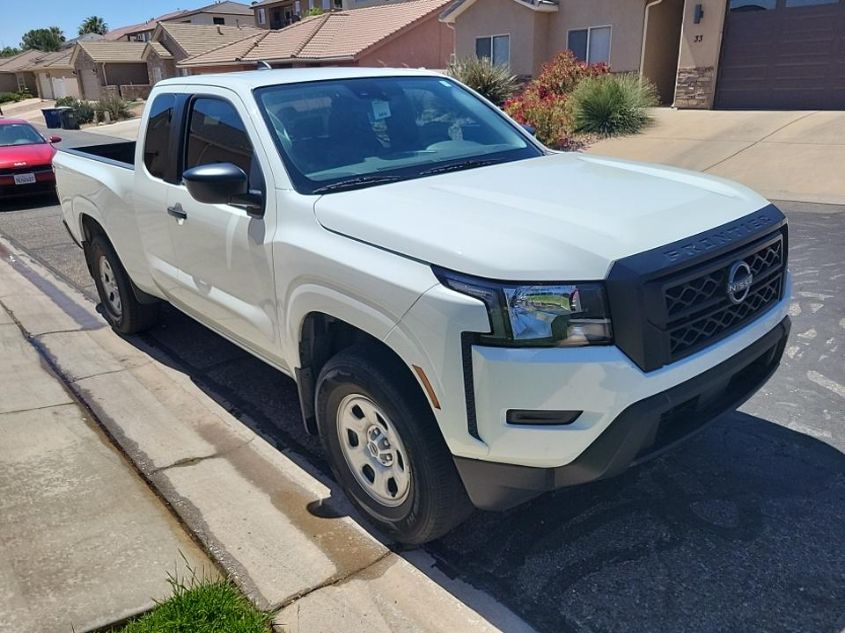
{"points": [[225, 255], [783, 54]]}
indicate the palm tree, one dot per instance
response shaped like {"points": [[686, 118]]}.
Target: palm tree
{"points": [[94, 24]]}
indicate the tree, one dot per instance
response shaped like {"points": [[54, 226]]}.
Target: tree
{"points": [[49, 39], [94, 24], [8, 51]]}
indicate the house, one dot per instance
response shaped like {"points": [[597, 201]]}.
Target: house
{"points": [[15, 75], [54, 75], [400, 34], [699, 53], [277, 14], [220, 13], [111, 68], [173, 42]]}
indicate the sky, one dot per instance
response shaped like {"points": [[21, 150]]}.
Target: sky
{"points": [[19, 16]]}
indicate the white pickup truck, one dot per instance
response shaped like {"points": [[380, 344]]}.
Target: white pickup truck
{"points": [[471, 319]]}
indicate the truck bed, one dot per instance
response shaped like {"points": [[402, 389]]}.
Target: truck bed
{"points": [[117, 154]]}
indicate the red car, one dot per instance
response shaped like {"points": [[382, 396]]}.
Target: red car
{"points": [[26, 160]]}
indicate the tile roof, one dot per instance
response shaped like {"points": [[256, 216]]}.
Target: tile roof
{"points": [[20, 61], [123, 31], [59, 60], [113, 52], [217, 7], [330, 36], [199, 38], [158, 47]]}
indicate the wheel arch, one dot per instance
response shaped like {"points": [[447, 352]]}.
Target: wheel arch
{"points": [[322, 336]]}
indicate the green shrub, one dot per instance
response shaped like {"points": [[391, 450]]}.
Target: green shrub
{"points": [[612, 104], [9, 97], [84, 112], [314, 11], [496, 83], [117, 108], [83, 109], [543, 103]]}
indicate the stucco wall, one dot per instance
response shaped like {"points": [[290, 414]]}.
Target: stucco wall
{"points": [[429, 45], [625, 16], [8, 82], [167, 67], [124, 74], [89, 76], [229, 19], [660, 61], [536, 36], [527, 29]]}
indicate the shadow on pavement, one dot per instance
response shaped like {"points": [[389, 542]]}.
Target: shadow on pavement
{"points": [[26, 203], [742, 529]]}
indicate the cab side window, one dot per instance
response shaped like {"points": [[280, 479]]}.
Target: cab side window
{"points": [[216, 134], [157, 151]]}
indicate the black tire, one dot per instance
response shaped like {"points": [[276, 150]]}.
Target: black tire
{"points": [[436, 500], [133, 316]]}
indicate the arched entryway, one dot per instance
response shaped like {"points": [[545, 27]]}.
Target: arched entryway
{"points": [[661, 45]]}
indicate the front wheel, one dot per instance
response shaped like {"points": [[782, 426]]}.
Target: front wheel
{"points": [[385, 447]]}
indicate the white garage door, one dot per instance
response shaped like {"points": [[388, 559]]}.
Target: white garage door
{"points": [[45, 87]]}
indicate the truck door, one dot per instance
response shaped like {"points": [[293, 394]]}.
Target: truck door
{"points": [[155, 177], [225, 255]]}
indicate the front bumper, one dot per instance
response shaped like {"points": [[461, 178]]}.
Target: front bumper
{"points": [[641, 431], [45, 183]]}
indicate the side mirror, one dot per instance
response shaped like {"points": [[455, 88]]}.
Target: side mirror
{"points": [[222, 183], [55, 139]]}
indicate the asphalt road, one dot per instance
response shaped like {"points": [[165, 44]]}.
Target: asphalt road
{"points": [[742, 529]]}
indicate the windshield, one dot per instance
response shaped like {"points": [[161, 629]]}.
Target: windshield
{"points": [[350, 133], [19, 134]]}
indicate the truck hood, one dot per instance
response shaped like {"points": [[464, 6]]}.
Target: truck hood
{"points": [[559, 217], [34, 155]]}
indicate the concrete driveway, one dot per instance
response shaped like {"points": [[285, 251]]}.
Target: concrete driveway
{"points": [[796, 156]]}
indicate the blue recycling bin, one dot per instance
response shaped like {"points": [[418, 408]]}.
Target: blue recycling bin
{"points": [[52, 117]]}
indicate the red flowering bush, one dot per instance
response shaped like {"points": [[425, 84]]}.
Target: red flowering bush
{"points": [[542, 104]]}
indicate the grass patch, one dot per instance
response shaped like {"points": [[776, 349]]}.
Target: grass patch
{"points": [[202, 606]]}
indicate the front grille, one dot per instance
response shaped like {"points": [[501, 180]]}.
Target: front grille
{"points": [[698, 308], [693, 334], [39, 169], [673, 301]]}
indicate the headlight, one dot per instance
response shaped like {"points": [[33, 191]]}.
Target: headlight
{"points": [[541, 315]]}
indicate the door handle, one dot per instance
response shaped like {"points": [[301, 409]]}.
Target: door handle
{"points": [[177, 212]]}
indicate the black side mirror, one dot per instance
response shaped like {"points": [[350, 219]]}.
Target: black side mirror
{"points": [[222, 183], [530, 129]]}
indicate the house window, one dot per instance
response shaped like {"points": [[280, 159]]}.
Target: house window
{"points": [[262, 16], [591, 45], [21, 83], [496, 48], [219, 20]]}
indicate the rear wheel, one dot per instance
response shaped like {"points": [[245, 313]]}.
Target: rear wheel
{"points": [[120, 307], [385, 447]]}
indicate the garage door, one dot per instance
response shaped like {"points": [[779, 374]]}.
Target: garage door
{"points": [[783, 54]]}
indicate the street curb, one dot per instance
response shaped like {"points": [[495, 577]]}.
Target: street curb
{"points": [[246, 503]]}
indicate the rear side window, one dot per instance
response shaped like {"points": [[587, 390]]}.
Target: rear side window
{"points": [[157, 154], [217, 134]]}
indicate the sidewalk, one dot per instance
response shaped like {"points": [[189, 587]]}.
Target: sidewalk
{"points": [[83, 541], [284, 534], [796, 156]]}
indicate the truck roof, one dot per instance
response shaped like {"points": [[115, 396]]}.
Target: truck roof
{"points": [[248, 80]]}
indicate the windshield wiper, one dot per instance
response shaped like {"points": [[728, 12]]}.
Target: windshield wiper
{"points": [[355, 183], [467, 164]]}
